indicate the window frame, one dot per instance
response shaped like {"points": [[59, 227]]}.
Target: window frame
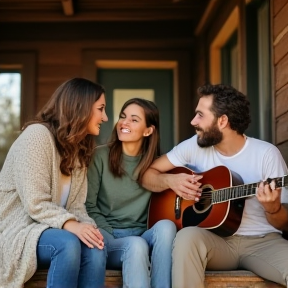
{"points": [[25, 64]]}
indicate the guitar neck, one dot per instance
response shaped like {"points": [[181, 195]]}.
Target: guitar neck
{"points": [[242, 191]]}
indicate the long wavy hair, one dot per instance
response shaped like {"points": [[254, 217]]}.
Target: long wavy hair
{"points": [[150, 148], [67, 115]]}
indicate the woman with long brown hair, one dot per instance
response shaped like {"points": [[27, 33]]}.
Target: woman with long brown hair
{"points": [[119, 204], [43, 187]]}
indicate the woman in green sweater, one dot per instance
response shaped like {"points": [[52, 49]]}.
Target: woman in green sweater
{"points": [[119, 204]]}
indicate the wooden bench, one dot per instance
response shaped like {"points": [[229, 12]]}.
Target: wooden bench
{"points": [[213, 279]]}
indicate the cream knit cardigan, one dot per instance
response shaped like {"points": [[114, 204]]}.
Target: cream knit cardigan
{"points": [[29, 202]]}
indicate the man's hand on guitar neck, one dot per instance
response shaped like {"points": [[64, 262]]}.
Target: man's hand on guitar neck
{"points": [[270, 199]]}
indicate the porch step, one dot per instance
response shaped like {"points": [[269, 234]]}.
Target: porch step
{"points": [[213, 279], [237, 278]]}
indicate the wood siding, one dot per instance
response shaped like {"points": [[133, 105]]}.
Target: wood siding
{"points": [[58, 61], [280, 60], [59, 48]]}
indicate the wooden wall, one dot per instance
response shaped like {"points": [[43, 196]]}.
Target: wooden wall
{"points": [[59, 54], [280, 59], [56, 62], [59, 60]]}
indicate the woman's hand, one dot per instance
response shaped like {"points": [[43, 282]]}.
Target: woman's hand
{"points": [[87, 233]]}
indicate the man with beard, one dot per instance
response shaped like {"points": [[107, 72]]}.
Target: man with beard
{"points": [[222, 116]]}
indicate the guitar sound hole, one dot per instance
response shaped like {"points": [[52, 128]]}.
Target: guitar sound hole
{"points": [[205, 200]]}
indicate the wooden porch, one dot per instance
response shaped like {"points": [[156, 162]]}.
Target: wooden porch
{"points": [[213, 279]]}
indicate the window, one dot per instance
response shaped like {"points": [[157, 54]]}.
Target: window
{"points": [[225, 59], [229, 62], [17, 96], [10, 101], [258, 69], [224, 52]]}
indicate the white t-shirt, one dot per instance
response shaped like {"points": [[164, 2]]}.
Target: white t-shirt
{"points": [[257, 161]]}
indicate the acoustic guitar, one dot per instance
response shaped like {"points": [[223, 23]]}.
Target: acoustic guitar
{"points": [[219, 208]]}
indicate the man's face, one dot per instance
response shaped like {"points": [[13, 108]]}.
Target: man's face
{"points": [[205, 124], [210, 136]]}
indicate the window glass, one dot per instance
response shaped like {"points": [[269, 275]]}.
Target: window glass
{"points": [[258, 69], [10, 103], [229, 62]]}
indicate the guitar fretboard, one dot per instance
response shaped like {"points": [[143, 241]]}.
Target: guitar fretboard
{"points": [[246, 190]]}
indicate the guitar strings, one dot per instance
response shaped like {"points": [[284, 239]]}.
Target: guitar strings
{"points": [[246, 189]]}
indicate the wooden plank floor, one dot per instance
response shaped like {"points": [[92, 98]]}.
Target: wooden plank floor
{"points": [[213, 279], [237, 278]]}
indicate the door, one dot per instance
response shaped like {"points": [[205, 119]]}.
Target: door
{"points": [[153, 84]]}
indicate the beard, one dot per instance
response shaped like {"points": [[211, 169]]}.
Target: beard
{"points": [[212, 136]]}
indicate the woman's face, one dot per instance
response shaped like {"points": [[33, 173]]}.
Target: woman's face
{"points": [[98, 116], [131, 126]]}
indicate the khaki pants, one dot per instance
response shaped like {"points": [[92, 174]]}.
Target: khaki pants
{"points": [[196, 249]]}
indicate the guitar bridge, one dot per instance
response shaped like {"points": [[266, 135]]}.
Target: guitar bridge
{"points": [[177, 207]]}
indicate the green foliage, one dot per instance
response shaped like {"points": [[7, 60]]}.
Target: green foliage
{"points": [[9, 127]]}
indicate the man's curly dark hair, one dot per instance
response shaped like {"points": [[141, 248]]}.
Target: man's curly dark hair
{"points": [[228, 101]]}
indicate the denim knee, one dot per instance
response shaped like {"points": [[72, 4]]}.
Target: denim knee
{"points": [[97, 257], [137, 246], [70, 246], [166, 229], [93, 267]]}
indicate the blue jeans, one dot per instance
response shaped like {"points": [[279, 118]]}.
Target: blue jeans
{"points": [[71, 263], [143, 255]]}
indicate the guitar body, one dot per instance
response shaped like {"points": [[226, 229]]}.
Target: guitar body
{"points": [[222, 218]]}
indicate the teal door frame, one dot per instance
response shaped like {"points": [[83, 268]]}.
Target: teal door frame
{"points": [[178, 61]]}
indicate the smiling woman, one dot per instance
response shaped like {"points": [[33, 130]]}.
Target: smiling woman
{"points": [[43, 188], [131, 128], [119, 204], [98, 116]]}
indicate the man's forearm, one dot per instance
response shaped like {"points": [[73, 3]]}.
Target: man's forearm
{"points": [[279, 219], [155, 181]]}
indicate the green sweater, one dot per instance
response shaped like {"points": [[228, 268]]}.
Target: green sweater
{"points": [[115, 202]]}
